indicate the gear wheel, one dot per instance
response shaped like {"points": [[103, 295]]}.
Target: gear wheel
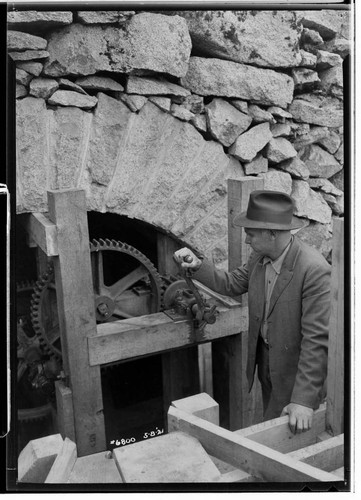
{"points": [[123, 288]]}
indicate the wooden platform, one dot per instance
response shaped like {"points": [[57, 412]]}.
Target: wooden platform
{"points": [[198, 450]]}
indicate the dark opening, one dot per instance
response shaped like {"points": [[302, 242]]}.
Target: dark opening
{"points": [[133, 401]]}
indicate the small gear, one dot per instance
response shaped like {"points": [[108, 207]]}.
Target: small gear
{"points": [[124, 287]]}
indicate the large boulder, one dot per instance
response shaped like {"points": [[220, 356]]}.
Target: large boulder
{"points": [[310, 136], [274, 180], [71, 98], [319, 162], [154, 86], [99, 83], [104, 16], [327, 60], [310, 204], [68, 137], [146, 43], [38, 21], [17, 40], [257, 166], [259, 38], [332, 81], [32, 163], [248, 144], [327, 23], [229, 79], [280, 149], [43, 87], [318, 110], [295, 167], [109, 125], [34, 68], [225, 122], [318, 236]]}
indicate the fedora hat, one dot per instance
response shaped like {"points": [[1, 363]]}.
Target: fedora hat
{"points": [[268, 210]]}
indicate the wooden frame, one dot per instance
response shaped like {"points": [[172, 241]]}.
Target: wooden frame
{"points": [[63, 235]]}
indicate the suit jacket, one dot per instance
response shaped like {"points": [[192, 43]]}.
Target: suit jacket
{"points": [[298, 319]]}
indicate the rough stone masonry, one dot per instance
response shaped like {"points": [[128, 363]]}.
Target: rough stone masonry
{"points": [[151, 113]]}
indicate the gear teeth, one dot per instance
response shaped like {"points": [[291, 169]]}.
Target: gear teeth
{"points": [[153, 278]]}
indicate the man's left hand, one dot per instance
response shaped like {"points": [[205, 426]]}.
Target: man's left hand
{"points": [[300, 417]]}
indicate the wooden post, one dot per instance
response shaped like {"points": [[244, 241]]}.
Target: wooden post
{"points": [[238, 408], [65, 411], [335, 370], [179, 367], [238, 196], [75, 300]]}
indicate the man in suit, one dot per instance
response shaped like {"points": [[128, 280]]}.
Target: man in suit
{"points": [[288, 285]]}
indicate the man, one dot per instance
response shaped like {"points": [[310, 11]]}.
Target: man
{"points": [[288, 285]]}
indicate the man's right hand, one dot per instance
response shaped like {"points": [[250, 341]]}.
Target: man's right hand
{"points": [[187, 259]]}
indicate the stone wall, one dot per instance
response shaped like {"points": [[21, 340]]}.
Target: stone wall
{"points": [[151, 112]]}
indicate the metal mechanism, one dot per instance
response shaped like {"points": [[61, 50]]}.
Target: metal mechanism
{"points": [[126, 285], [35, 372], [182, 298]]}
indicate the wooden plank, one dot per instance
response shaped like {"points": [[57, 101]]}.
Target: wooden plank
{"points": [[43, 232], [238, 407], [63, 464], [238, 196], [42, 261], [201, 405], [254, 458], [326, 455], [146, 335], [237, 476], [205, 368], [75, 301], [166, 247], [170, 458], [277, 435], [37, 458], [98, 468], [335, 369], [339, 472], [65, 410]]}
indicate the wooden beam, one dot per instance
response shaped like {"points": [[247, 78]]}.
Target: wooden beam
{"points": [[180, 368], [326, 455], [43, 232], [146, 335], [65, 410], [75, 301], [166, 246], [238, 196], [37, 458], [335, 369], [98, 468], [254, 458], [201, 405], [63, 464], [276, 433], [238, 407]]}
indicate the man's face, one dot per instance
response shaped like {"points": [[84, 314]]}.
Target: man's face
{"points": [[260, 240]]}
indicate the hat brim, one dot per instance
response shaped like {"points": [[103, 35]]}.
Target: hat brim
{"points": [[243, 221]]}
